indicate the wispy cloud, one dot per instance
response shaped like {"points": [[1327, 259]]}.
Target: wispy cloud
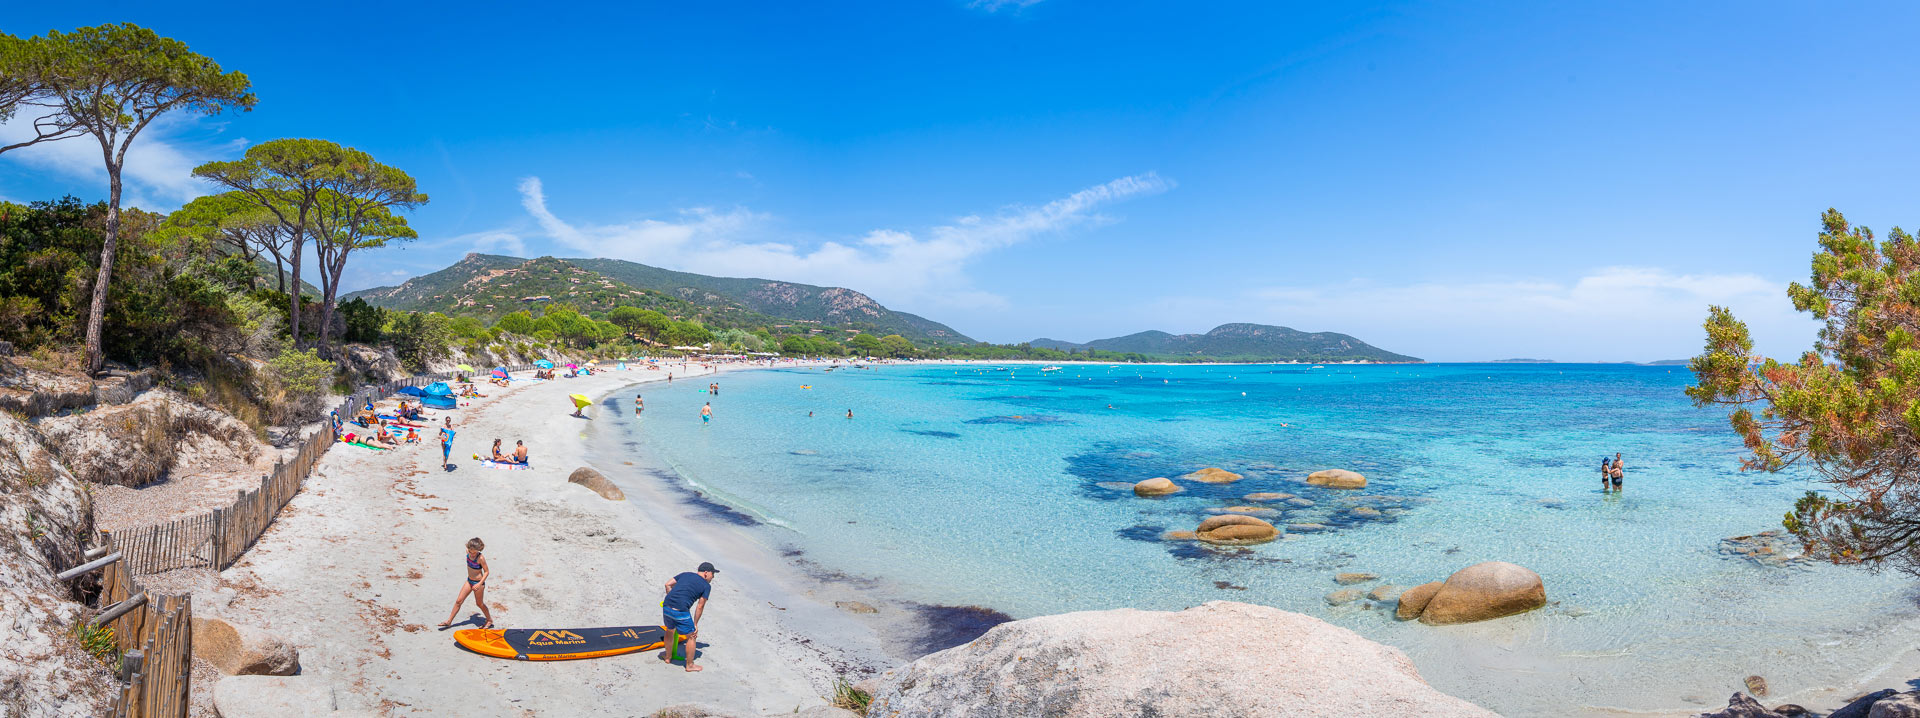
{"points": [[1613, 314], [997, 5], [896, 265], [159, 172]]}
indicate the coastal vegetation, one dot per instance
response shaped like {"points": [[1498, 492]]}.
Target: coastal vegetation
{"points": [[1849, 408]]}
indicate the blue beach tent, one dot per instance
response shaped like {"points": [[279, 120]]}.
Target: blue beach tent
{"points": [[438, 388], [411, 391], [439, 401]]}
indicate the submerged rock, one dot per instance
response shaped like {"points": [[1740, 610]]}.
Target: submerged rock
{"points": [[854, 607], [1344, 596], [1218, 659], [1235, 530], [1758, 685], [1306, 528], [1245, 510], [1267, 496], [1384, 592], [1338, 479], [1158, 486], [1485, 591], [1348, 579], [1212, 475]]}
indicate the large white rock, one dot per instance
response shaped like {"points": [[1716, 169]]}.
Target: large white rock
{"points": [[1218, 659]]}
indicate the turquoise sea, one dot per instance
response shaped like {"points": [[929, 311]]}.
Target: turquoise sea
{"points": [[1008, 487]]}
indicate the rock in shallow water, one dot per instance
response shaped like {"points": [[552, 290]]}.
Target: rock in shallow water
{"points": [[1414, 600], [1338, 479], [1158, 486], [1235, 530], [1213, 476], [1485, 591], [1348, 579], [1218, 659], [1742, 706], [1344, 596]]}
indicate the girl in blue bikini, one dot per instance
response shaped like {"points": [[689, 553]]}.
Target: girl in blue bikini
{"points": [[477, 572]]}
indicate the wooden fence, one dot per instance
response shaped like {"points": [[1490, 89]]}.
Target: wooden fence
{"points": [[154, 634], [217, 539], [155, 640]]}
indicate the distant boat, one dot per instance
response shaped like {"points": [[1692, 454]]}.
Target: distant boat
{"points": [[1316, 366], [1050, 368]]}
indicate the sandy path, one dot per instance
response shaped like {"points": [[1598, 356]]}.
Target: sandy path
{"points": [[368, 558]]}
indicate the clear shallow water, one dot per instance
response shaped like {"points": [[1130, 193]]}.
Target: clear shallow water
{"points": [[964, 485]]}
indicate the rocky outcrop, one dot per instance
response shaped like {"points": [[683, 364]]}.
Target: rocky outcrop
{"points": [[240, 650], [138, 442], [1212, 475], [1158, 486], [1218, 659], [1481, 592], [44, 510], [586, 476], [1235, 530], [1337, 479], [1898, 705], [40, 393]]}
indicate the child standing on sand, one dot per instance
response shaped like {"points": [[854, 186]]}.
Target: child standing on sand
{"points": [[446, 444], [477, 573]]}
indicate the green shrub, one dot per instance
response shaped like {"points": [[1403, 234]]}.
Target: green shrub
{"points": [[98, 642]]}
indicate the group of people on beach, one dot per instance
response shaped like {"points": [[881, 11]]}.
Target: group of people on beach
{"points": [[1613, 471]]}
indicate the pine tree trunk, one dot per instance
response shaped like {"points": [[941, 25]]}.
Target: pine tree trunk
{"points": [[294, 294], [329, 276], [97, 315]]}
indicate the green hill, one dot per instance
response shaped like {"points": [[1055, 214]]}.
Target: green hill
{"points": [[1240, 342], [488, 286], [829, 306]]}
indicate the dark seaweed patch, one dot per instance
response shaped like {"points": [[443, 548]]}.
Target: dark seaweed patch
{"points": [[697, 499], [949, 626], [1141, 532]]}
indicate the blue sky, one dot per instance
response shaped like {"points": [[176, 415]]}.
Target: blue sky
{"points": [[1457, 181]]}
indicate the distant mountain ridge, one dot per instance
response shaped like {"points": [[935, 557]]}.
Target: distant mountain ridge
{"points": [[1240, 342], [491, 285]]}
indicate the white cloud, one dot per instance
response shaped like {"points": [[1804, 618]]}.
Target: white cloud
{"points": [[1615, 314], [997, 5], [159, 171], [894, 265]]}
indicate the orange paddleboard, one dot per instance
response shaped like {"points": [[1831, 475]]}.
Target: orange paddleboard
{"points": [[560, 644]]}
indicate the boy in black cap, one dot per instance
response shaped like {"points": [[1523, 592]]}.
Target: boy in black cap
{"points": [[680, 612]]}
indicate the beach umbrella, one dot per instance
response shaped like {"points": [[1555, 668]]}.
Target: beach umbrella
{"points": [[499, 372], [544, 364], [463, 367], [580, 401], [571, 365]]}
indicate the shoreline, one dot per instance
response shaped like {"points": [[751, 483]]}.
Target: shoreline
{"points": [[372, 542], [1895, 671], [366, 559]]}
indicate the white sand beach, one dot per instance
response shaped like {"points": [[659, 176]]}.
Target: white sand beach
{"points": [[368, 558]]}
